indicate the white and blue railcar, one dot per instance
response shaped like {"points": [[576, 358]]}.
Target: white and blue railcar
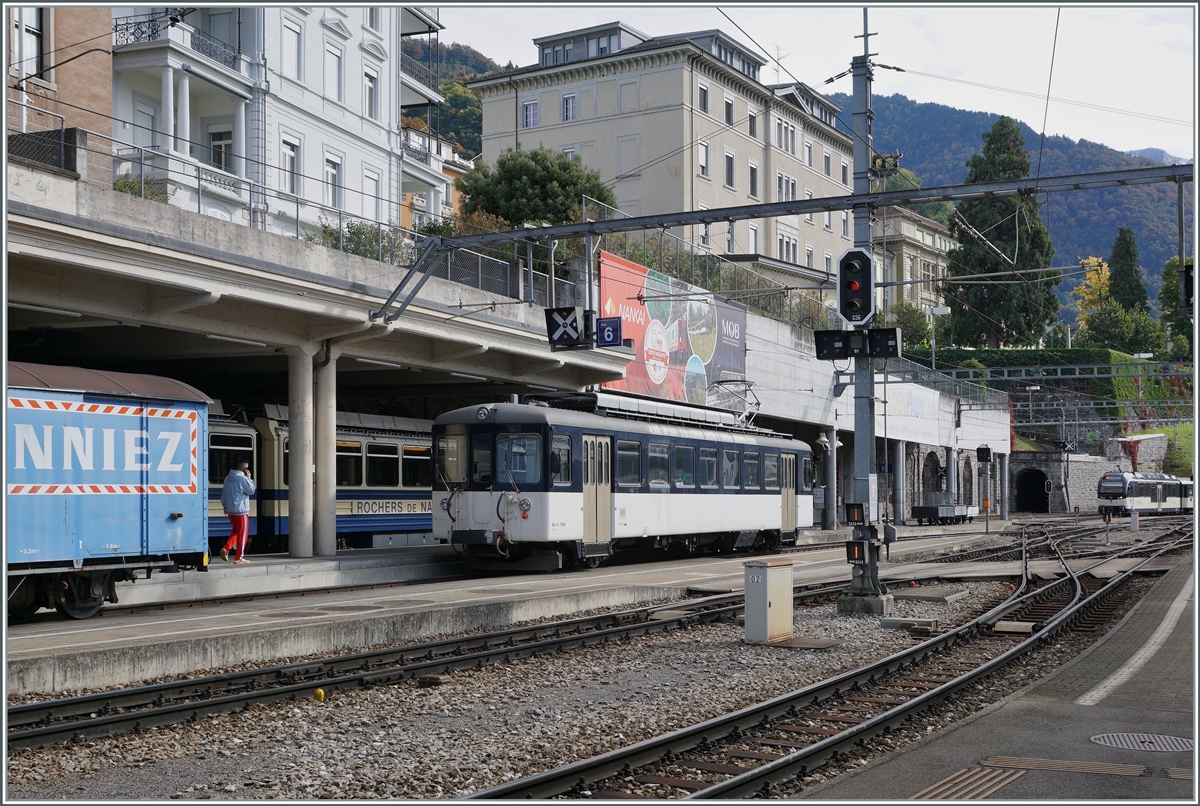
{"points": [[105, 482], [574, 478], [1144, 493]]}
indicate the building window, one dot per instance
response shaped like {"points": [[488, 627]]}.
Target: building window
{"points": [[828, 262], [32, 40], [808, 154], [289, 164], [752, 124], [531, 114], [333, 182], [568, 111], [808, 255], [729, 170], [845, 224], [829, 220], [702, 98], [788, 248], [702, 158], [371, 200], [845, 174], [785, 187], [568, 51], [705, 231], [373, 16], [729, 240], [753, 181], [371, 94], [807, 196], [728, 112], [754, 239], [221, 144], [333, 72], [291, 50], [547, 57], [828, 165]]}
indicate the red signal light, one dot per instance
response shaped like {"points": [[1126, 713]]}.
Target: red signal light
{"points": [[853, 285]]}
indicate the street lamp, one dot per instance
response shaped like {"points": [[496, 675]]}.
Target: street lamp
{"points": [[938, 311]]}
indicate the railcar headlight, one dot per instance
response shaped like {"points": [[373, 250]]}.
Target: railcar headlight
{"points": [[481, 413], [525, 504], [445, 504]]}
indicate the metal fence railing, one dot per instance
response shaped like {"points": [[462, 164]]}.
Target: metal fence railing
{"points": [[37, 135]]}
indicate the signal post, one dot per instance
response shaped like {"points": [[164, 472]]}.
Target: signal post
{"points": [[856, 305]]}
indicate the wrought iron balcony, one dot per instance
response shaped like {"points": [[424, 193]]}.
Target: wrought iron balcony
{"points": [[420, 72], [127, 30], [417, 153], [215, 49]]}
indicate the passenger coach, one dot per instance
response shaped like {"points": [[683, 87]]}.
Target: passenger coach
{"points": [[1123, 493], [573, 478]]}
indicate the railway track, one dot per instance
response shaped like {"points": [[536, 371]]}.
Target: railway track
{"points": [[750, 751]]}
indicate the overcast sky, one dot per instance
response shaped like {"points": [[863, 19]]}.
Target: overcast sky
{"points": [[1139, 62]]}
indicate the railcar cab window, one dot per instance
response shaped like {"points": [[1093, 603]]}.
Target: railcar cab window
{"points": [[808, 474], [708, 467], [452, 458], [416, 468], [660, 464], [729, 470], [224, 453], [629, 463], [518, 459], [349, 469], [383, 465], [560, 459], [771, 471], [481, 459], [685, 467], [750, 472]]}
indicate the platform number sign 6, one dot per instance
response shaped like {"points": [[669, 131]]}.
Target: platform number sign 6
{"points": [[608, 331]]}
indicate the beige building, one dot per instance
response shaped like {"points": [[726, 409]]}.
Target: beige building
{"points": [[683, 122], [916, 249]]}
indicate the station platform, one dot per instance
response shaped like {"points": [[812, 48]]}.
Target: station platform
{"points": [[1135, 685], [121, 646]]}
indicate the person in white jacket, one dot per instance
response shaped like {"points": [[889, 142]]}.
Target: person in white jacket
{"points": [[235, 500]]}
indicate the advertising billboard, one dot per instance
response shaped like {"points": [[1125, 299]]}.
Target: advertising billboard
{"points": [[684, 338]]}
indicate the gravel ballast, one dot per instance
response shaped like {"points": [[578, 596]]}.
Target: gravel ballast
{"points": [[491, 725]]}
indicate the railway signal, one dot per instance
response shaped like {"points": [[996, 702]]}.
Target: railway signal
{"points": [[568, 328], [856, 287]]}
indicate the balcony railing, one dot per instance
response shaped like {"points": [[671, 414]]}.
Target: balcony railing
{"points": [[127, 30], [429, 11], [417, 153], [214, 49], [420, 72]]}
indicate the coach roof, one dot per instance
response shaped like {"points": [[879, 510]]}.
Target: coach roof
{"points": [[94, 381]]}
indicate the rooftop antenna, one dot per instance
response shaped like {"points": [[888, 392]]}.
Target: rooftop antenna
{"points": [[778, 58]]}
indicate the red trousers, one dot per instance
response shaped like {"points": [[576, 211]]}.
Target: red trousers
{"points": [[238, 536]]}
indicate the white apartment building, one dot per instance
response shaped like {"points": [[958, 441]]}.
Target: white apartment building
{"points": [[916, 249], [305, 102], [683, 122]]}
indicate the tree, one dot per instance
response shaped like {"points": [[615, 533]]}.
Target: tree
{"points": [[1130, 331], [541, 185], [912, 321], [1056, 336], [1014, 308], [1125, 283], [1093, 290], [905, 179], [1173, 313], [462, 117]]}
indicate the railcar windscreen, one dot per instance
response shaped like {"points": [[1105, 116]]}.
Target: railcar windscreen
{"points": [[452, 458]]}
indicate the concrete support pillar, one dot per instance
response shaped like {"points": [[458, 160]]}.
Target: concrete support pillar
{"points": [[1002, 493], [899, 471], [300, 450], [952, 473], [166, 126], [183, 132], [239, 139], [325, 450], [829, 520]]}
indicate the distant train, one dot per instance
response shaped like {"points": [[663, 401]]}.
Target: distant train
{"points": [[1154, 493], [112, 476], [570, 479]]}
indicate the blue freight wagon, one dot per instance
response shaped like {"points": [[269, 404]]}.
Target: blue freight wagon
{"points": [[105, 475]]}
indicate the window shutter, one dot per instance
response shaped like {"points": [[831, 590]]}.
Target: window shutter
{"points": [[333, 74], [291, 52]]}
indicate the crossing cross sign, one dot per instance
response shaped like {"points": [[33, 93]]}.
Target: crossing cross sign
{"points": [[567, 327]]}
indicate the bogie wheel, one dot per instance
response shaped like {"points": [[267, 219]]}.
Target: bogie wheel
{"points": [[594, 562], [68, 604], [23, 597]]}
